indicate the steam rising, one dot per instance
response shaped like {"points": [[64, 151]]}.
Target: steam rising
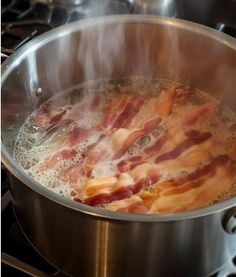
{"points": [[112, 48]]}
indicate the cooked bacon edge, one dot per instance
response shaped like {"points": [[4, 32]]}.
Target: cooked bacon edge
{"points": [[121, 193], [179, 149]]}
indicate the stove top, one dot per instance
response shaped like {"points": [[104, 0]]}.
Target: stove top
{"points": [[22, 20]]}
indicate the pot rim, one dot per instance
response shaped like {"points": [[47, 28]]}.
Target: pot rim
{"points": [[15, 59]]}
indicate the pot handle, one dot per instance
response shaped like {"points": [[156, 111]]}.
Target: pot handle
{"points": [[229, 221]]}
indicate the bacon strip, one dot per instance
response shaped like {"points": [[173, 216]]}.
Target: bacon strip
{"points": [[130, 110], [179, 149], [138, 207], [165, 102], [121, 193], [193, 191], [124, 204], [163, 105], [118, 143], [117, 104], [156, 147], [76, 136], [50, 162], [49, 114], [129, 141], [198, 191], [160, 106], [57, 117], [129, 164], [79, 135], [196, 138], [204, 112], [205, 170]]}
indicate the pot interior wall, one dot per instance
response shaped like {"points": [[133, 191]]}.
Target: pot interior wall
{"points": [[114, 51]]}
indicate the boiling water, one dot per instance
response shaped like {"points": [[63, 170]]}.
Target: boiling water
{"points": [[38, 141]]}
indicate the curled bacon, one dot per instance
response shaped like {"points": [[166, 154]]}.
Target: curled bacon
{"points": [[121, 193]]}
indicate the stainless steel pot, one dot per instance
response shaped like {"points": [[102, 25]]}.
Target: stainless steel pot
{"points": [[87, 241]]}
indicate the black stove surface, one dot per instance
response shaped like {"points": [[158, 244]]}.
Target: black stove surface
{"points": [[22, 20]]}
